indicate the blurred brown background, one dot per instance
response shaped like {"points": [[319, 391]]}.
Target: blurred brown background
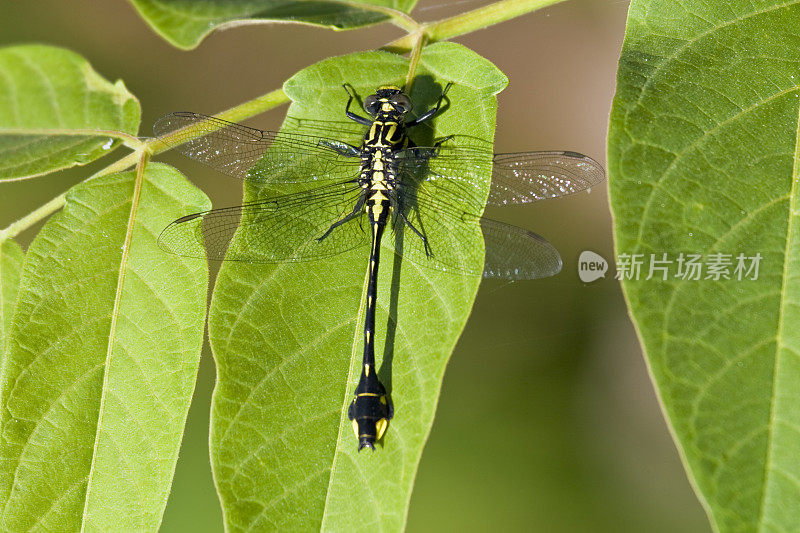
{"points": [[547, 420]]}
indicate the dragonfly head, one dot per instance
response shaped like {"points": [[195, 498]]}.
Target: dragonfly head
{"points": [[388, 101]]}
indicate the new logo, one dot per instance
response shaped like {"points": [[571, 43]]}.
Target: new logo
{"points": [[591, 266]]}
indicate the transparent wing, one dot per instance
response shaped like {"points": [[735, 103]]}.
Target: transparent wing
{"points": [[530, 176], [516, 253], [256, 155], [462, 242], [516, 178], [287, 228], [347, 131], [281, 228]]}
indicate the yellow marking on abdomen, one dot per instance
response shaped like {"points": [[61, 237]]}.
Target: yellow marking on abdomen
{"points": [[380, 427], [377, 197]]}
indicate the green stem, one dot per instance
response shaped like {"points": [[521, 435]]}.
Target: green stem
{"points": [[234, 114], [470, 21], [414, 59], [255, 106], [33, 217]]}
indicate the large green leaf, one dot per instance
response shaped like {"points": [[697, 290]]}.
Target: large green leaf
{"points": [[49, 98], [287, 337], [703, 157], [11, 256], [101, 360], [184, 23]]}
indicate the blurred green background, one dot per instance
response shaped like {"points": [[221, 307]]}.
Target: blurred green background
{"points": [[547, 419]]}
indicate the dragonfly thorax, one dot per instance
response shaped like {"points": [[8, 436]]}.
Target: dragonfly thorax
{"points": [[385, 134]]}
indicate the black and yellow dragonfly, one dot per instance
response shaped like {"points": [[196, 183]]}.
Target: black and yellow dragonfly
{"points": [[430, 191]]}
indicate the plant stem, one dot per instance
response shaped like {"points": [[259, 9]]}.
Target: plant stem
{"points": [[141, 165], [470, 21], [255, 106], [33, 217], [419, 43], [235, 114]]}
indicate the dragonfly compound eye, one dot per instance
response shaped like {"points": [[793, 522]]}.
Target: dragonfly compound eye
{"points": [[372, 105], [401, 102]]}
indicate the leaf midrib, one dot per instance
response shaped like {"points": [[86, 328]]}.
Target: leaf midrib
{"points": [[779, 344], [220, 22], [350, 377], [137, 187]]}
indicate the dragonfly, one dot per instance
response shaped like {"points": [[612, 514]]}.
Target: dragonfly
{"points": [[430, 197]]}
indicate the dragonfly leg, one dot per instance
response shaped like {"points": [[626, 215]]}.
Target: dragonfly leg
{"points": [[418, 232], [429, 152], [350, 114], [357, 211], [440, 142], [427, 115], [340, 147]]}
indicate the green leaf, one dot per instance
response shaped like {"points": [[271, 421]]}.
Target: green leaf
{"points": [[703, 155], [50, 99], [101, 360], [287, 337], [11, 256], [184, 23]]}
